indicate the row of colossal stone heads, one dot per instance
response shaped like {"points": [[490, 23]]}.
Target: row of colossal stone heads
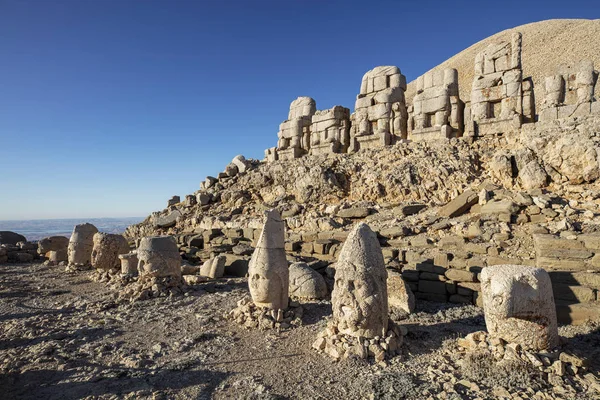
{"points": [[155, 256], [501, 100], [518, 300]]}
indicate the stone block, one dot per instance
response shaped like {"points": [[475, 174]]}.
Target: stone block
{"points": [[354, 212], [460, 275], [428, 276], [554, 264], [435, 297], [500, 207], [460, 204], [573, 293], [432, 287], [410, 275], [449, 242], [434, 269], [460, 299]]}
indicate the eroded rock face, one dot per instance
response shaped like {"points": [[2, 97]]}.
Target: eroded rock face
{"points": [[519, 306], [52, 243], [81, 245], [106, 250], [268, 270], [359, 298], [159, 257], [306, 283]]}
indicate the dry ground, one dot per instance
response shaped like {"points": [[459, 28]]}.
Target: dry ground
{"points": [[63, 336]]}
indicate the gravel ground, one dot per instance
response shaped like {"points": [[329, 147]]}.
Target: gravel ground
{"points": [[63, 336]]}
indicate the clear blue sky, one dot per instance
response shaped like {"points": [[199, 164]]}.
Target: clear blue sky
{"points": [[109, 107]]}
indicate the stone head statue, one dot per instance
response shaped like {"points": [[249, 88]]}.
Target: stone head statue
{"points": [[359, 297], [158, 256], [519, 305], [268, 271]]}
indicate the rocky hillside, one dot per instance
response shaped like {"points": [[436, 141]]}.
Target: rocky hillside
{"points": [[314, 189], [559, 40]]}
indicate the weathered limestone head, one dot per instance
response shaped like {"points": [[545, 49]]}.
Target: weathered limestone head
{"points": [[159, 257], [302, 107], [52, 243], [268, 270], [107, 247], [519, 306], [81, 244], [359, 298]]}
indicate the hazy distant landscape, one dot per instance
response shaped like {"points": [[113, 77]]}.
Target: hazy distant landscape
{"points": [[39, 228]]}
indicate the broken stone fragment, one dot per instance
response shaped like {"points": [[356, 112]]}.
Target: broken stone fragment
{"points": [[306, 283], [460, 204]]}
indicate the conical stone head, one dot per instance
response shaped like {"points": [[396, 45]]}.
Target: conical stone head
{"points": [[268, 270], [359, 296]]}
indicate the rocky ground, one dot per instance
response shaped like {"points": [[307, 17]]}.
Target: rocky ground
{"points": [[64, 336]]}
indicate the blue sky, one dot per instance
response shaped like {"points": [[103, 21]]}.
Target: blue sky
{"points": [[109, 107]]}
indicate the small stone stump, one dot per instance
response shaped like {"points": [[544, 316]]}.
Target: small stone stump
{"points": [[105, 255], [159, 269], [81, 244], [519, 306], [360, 325], [129, 263]]}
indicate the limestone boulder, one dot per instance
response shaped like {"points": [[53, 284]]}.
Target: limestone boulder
{"points": [[8, 237], [241, 163], [306, 283], [53, 243], [214, 268], [106, 250], [167, 220], [519, 306]]}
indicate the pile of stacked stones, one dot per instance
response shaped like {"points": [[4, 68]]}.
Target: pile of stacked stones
{"points": [[15, 248]]}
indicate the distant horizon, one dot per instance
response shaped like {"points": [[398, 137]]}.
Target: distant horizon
{"points": [[70, 218]]}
